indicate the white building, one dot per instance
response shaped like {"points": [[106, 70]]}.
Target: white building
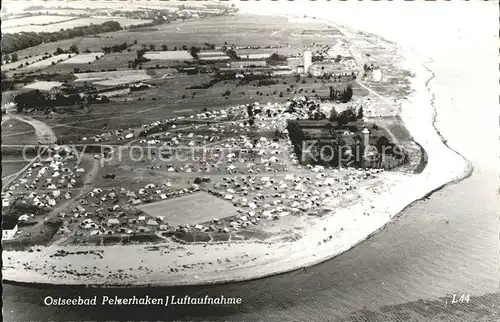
{"points": [[242, 64], [307, 60], [377, 75]]}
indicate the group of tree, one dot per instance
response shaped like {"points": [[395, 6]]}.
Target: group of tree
{"points": [[115, 48], [194, 51], [368, 68], [276, 58], [346, 116], [230, 51], [267, 82], [206, 85], [209, 46], [232, 54], [10, 59], [344, 95], [7, 83], [317, 58], [22, 40], [139, 60]]}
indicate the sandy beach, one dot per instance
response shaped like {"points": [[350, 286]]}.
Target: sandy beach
{"points": [[175, 264]]}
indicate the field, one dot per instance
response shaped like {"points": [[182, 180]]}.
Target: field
{"points": [[199, 207], [10, 24], [168, 55], [17, 132], [35, 62], [50, 60], [170, 98], [43, 85], [10, 167], [113, 78], [54, 27], [210, 53], [246, 30], [218, 57], [83, 58]]}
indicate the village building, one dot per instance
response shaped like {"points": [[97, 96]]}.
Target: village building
{"points": [[242, 64]]}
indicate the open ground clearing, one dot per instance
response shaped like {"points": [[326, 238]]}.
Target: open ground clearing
{"points": [[43, 85], [199, 207], [113, 78]]}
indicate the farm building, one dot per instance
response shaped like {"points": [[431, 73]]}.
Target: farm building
{"points": [[248, 64], [331, 68]]}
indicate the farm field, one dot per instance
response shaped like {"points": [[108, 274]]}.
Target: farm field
{"points": [[117, 61], [50, 60], [210, 53], [199, 207], [113, 78], [83, 58], [53, 27], [9, 24], [168, 55], [43, 85], [35, 62], [218, 57], [247, 30]]}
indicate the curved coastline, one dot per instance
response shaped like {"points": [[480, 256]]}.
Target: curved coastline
{"points": [[432, 179], [470, 168]]}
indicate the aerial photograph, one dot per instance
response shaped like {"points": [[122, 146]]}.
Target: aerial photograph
{"points": [[250, 160]]}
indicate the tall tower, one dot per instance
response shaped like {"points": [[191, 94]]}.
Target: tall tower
{"points": [[307, 60], [366, 137]]}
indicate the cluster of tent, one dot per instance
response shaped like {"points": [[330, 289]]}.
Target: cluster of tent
{"points": [[55, 176]]}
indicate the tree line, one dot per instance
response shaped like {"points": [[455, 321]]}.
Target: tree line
{"points": [[42, 101], [23, 40]]}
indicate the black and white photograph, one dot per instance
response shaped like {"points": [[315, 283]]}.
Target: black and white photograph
{"points": [[250, 160]]}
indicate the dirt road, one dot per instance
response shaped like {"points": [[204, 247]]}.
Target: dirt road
{"points": [[44, 132]]}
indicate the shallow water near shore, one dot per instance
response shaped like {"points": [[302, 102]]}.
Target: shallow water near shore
{"points": [[438, 247]]}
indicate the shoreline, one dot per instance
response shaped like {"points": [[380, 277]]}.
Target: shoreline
{"points": [[298, 254]]}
